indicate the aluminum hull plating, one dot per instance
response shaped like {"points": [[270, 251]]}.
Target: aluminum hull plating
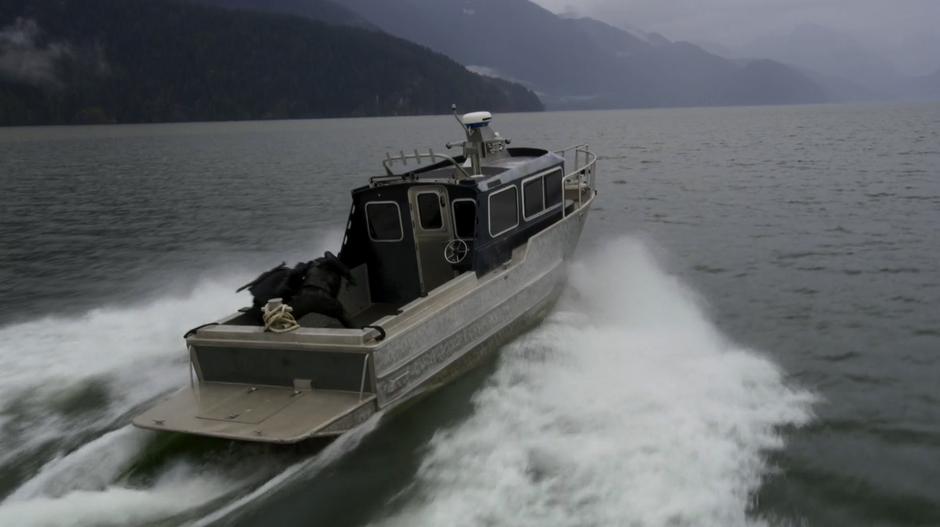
{"points": [[431, 351]]}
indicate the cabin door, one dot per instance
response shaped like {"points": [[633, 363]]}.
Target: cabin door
{"points": [[433, 228]]}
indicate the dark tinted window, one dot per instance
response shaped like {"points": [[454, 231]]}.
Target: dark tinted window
{"points": [[532, 195], [465, 218], [552, 189], [504, 210], [384, 221], [429, 211]]}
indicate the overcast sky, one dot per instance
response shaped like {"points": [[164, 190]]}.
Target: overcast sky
{"points": [[904, 31]]}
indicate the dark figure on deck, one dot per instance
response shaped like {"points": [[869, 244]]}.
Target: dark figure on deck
{"points": [[280, 282], [320, 290], [309, 288]]}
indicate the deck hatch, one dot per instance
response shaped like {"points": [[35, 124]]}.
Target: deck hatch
{"points": [[252, 406], [290, 418]]}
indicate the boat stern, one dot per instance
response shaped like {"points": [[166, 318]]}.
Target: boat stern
{"points": [[261, 414]]}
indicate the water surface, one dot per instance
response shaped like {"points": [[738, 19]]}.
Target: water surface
{"points": [[750, 334]]}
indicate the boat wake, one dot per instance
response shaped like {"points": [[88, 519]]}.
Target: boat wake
{"points": [[302, 470], [626, 407], [62, 377], [181, 488], [68, 387]]}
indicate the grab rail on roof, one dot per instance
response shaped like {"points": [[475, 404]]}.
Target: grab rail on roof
{"points": [[417, 157]]}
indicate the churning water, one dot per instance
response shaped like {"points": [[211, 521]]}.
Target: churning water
{"points": [[796, 386], [626, 406], [68, 386]]}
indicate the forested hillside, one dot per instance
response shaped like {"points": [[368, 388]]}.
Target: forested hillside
{"points": [[79, 61], [322, 10]]}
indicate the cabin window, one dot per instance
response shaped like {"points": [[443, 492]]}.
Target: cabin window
{"points": [[540, 193], [384, 221], [553, 191], [533, 198], [429, 211], [465, 218], [504, 210]]}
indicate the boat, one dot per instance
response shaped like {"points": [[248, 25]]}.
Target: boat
{"points": [[444, 259]]}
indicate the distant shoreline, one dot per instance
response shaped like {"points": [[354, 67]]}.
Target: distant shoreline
{"points": [[445, 114]]}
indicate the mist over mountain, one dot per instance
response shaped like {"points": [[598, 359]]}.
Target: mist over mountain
{"points": [[79, 61], [905, 33], [850, 69], [583, 62], [854, 49]]}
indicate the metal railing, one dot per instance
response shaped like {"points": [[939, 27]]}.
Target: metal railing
{"points": [[580, 168], [417, 157]]}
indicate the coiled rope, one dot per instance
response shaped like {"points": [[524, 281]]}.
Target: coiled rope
{"points": [[278, 318]]}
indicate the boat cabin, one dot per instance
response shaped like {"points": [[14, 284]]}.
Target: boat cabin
{"points": [[412, 230]]}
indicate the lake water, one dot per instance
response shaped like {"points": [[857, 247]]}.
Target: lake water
{"points": [[751, 334]]}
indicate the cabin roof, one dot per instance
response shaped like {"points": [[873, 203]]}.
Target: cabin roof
{"points": [[520, 162]]}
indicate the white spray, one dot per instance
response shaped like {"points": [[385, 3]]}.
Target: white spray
{"points": [[131, 354], [626, 407]]}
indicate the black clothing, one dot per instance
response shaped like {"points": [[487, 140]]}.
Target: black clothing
{"points": [[310, 287]]}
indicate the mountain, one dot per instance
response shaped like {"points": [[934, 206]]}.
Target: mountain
{"points": [[841, 89], [320, 10], [582, 62], [847, 69], [74, 61], [846, 62]]}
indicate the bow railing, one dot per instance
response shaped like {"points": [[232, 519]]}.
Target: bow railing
{"points": [[580, 169]]}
